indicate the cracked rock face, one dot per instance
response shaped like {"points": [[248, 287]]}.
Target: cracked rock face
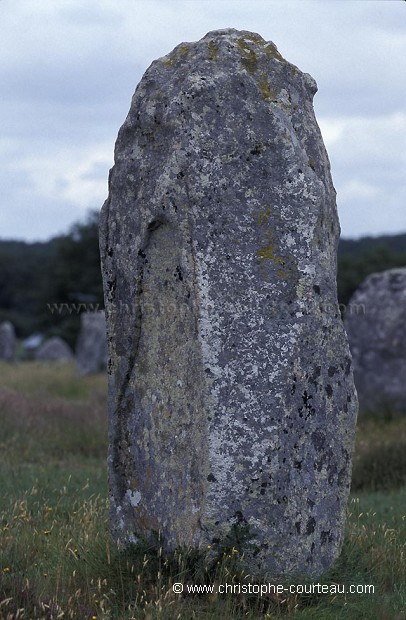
{"points": [[376, 325], [231, 399]]}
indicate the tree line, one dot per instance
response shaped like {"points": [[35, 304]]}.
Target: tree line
{"points": [[45, 286]]}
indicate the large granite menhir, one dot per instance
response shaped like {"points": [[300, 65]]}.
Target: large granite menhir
{"points": [[231, 399], [375, 321]]}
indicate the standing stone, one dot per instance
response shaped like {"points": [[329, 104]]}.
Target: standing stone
{"points": [[7, 341], [231, 399], [54, 350], [375, 321], [91, 348]]}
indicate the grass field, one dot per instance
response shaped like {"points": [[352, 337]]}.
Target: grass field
{"points": [[56, 557]]}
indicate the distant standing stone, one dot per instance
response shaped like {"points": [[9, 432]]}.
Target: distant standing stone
{"points": [[375, 321], [91, 349], [231, 397], [54, 350], [7, 341]]}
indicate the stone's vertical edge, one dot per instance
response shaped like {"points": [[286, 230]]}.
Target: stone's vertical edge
{"points": [[158, 435], [222, 206]]}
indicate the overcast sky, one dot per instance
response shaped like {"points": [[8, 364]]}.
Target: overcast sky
{"points": [[68, 69]]}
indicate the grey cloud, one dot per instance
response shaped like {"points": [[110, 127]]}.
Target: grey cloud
{"points": [[68, 71]]}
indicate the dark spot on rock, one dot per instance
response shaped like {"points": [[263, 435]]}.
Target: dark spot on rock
{"points": [[111, 284], [318, 440], [342, 478], [332, 473], [257, 150], [178, 273], [316, 289], [154, 225], [307, 406], [326, 537], [316, 373], [297, 526], [211, 478], [332, 371], [329, 390], [310, 525], [241, 520]]}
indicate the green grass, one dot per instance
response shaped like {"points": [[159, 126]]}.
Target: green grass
{"points": [[380, 458], [58, 561]]}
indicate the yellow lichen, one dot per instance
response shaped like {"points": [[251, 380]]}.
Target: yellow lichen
{"points": [[272, 52], [248, 56], [213, 51], [255, 38], [270, 252], [267, 92], [183, 50], [264, 216], [168, 61]]}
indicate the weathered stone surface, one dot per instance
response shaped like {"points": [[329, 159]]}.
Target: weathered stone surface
{"points": [[7, 341], [54, 350], [376, 325], [231, 398], [91, 348]]}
